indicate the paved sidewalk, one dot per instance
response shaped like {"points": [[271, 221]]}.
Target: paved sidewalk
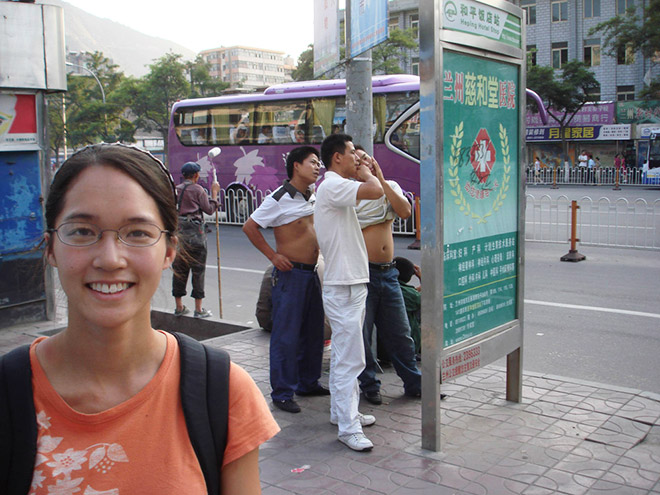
{"points": [[567, 437]]}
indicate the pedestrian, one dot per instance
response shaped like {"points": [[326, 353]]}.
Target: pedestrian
{"points": [[412, 299], [597, 168], [591, 165], [296, 340], [192, 202], [385, 306], [537, 170], [345, 279], [106, 388]]}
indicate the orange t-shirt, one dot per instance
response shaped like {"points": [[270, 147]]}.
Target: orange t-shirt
{"points": [[141, 445]]}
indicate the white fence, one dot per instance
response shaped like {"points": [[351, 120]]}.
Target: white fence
{"points": [[602, 222], [584, 176]]}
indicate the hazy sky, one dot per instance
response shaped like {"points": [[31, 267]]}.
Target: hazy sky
{"points": [[283, 25]]}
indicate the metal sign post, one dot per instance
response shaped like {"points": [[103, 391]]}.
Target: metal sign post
{"points": [[472, 220]]}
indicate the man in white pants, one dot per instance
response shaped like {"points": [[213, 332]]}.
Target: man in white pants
{"points": [[345, 279]]}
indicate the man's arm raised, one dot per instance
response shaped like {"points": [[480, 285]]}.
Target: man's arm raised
{"points": [[370, 187], [251, 230], [398, 201]]}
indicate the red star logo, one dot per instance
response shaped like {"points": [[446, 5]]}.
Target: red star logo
{"points": [[482, 155]]}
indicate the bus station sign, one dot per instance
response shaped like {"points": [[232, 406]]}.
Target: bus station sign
{"points": [[472, 218]]}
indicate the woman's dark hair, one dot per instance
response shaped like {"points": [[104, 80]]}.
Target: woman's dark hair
{"points": [[138, 164], [406, 269], [334, 143], [298, 155]]}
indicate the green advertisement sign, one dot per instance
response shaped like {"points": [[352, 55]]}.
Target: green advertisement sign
{"points": [[481, 136], [638, 112]]}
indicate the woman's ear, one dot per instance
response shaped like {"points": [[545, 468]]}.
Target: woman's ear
{"points": [[50, 257], [170, 253]]}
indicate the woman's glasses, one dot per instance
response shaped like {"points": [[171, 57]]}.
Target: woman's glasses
{"points": [[82, 234]]}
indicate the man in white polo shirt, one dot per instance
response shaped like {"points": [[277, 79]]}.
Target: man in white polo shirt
{"points": [[296, 341], [345, 279]]}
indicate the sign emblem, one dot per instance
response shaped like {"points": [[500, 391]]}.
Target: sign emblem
{"points": [[482, 155]]}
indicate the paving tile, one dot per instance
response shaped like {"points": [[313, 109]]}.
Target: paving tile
{"points": [[576, 389], [641, 409], [599, 451], [565, 482], [339, 467], [547, 409], [571, 429], [584, 466], [272, 490], [421, 487], [602, 487], [610, 437], [613, 395], [450, 475], [518, 470], [605, 406], [557, 396], [380, 480], [488, 484], [537, 490], [540, 456], [639, 478], [540, 382], [586, 417], [642, 456], [349, 489], [404, 463]]}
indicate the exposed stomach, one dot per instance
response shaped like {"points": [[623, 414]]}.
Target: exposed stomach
{"points": [[379, 241], [297, 240]]}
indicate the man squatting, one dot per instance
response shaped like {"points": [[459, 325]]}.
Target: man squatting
{"points": [[296, 342], [385, 306], [345, 279]]}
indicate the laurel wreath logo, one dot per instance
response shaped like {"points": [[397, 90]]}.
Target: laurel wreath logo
{"points": [[454, 181]]}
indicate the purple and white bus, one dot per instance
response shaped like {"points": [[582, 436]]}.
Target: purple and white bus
{"points": [[256, 131]]}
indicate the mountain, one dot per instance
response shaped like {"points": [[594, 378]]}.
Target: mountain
{"points": [[126, 47]]}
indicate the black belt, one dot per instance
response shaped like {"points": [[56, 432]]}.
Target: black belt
{"points": [[382, 267], [303, 266]]}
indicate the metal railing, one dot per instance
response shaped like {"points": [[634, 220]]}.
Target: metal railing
{"points": [[602, 222], [584, 176]]}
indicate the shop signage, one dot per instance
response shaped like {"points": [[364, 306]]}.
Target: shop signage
{"points": [[638, 112], [590, 114], [18, 121], [616, 132]]}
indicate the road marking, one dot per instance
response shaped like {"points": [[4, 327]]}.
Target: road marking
{"points": [[246, 270], [527, 301], [594, 308]]}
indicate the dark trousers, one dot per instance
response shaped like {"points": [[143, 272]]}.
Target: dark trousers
{"points": [[296, 341], [182, 267]]}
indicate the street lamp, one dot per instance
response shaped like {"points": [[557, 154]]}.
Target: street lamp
{"points": [[105, 117]]}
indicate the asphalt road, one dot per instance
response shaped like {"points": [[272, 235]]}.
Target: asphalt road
{"points": [[597, 320]]}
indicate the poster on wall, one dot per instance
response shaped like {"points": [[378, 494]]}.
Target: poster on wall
{"points": [[18, 121], [481, 195]]}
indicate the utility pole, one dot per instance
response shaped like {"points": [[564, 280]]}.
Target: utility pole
{"points": [[359, 103]]}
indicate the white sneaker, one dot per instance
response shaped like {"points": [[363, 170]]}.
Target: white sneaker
{"points": [[365, 419], [356, 441]]}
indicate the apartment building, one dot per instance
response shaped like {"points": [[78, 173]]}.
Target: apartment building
{"points": [[248, 68]]}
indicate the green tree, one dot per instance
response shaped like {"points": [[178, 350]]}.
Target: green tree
{"points": [[305, 69], [628, 32], [88, 118], [564, 92], [386, 57], [151, 97], [201, 82]]}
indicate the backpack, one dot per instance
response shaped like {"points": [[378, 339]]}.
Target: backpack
{"points": [[204, 397]]}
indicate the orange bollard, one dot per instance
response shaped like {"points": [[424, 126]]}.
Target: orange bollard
{"points": [[573, 254]]}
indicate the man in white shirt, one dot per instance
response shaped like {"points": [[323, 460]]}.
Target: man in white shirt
{"points": [[345, 279], [296, 342]]}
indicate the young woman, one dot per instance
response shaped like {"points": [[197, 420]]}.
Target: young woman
{"points": [[106, 389]]}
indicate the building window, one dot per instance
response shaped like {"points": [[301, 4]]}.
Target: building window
{"points": [[559, 54], [625, 93], [623, 5], [531, 55], [591, 8], [393, 22], [625, 55], [414, 25], [560, 11], [594, 94], [591, 53], [415, 66], [529, 6]]}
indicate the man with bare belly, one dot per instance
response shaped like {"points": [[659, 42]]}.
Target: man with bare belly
{"points": [[296, 341], [385, 305]]}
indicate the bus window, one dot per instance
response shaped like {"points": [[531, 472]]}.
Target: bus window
{"points": [[406, 135], [285, 120], [191, 126]]}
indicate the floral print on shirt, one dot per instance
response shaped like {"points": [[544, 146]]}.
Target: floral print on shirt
{"points": [[63, 472]]}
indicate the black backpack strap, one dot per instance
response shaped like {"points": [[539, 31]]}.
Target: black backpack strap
{"points": [[18, 422], [205, 401]]}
